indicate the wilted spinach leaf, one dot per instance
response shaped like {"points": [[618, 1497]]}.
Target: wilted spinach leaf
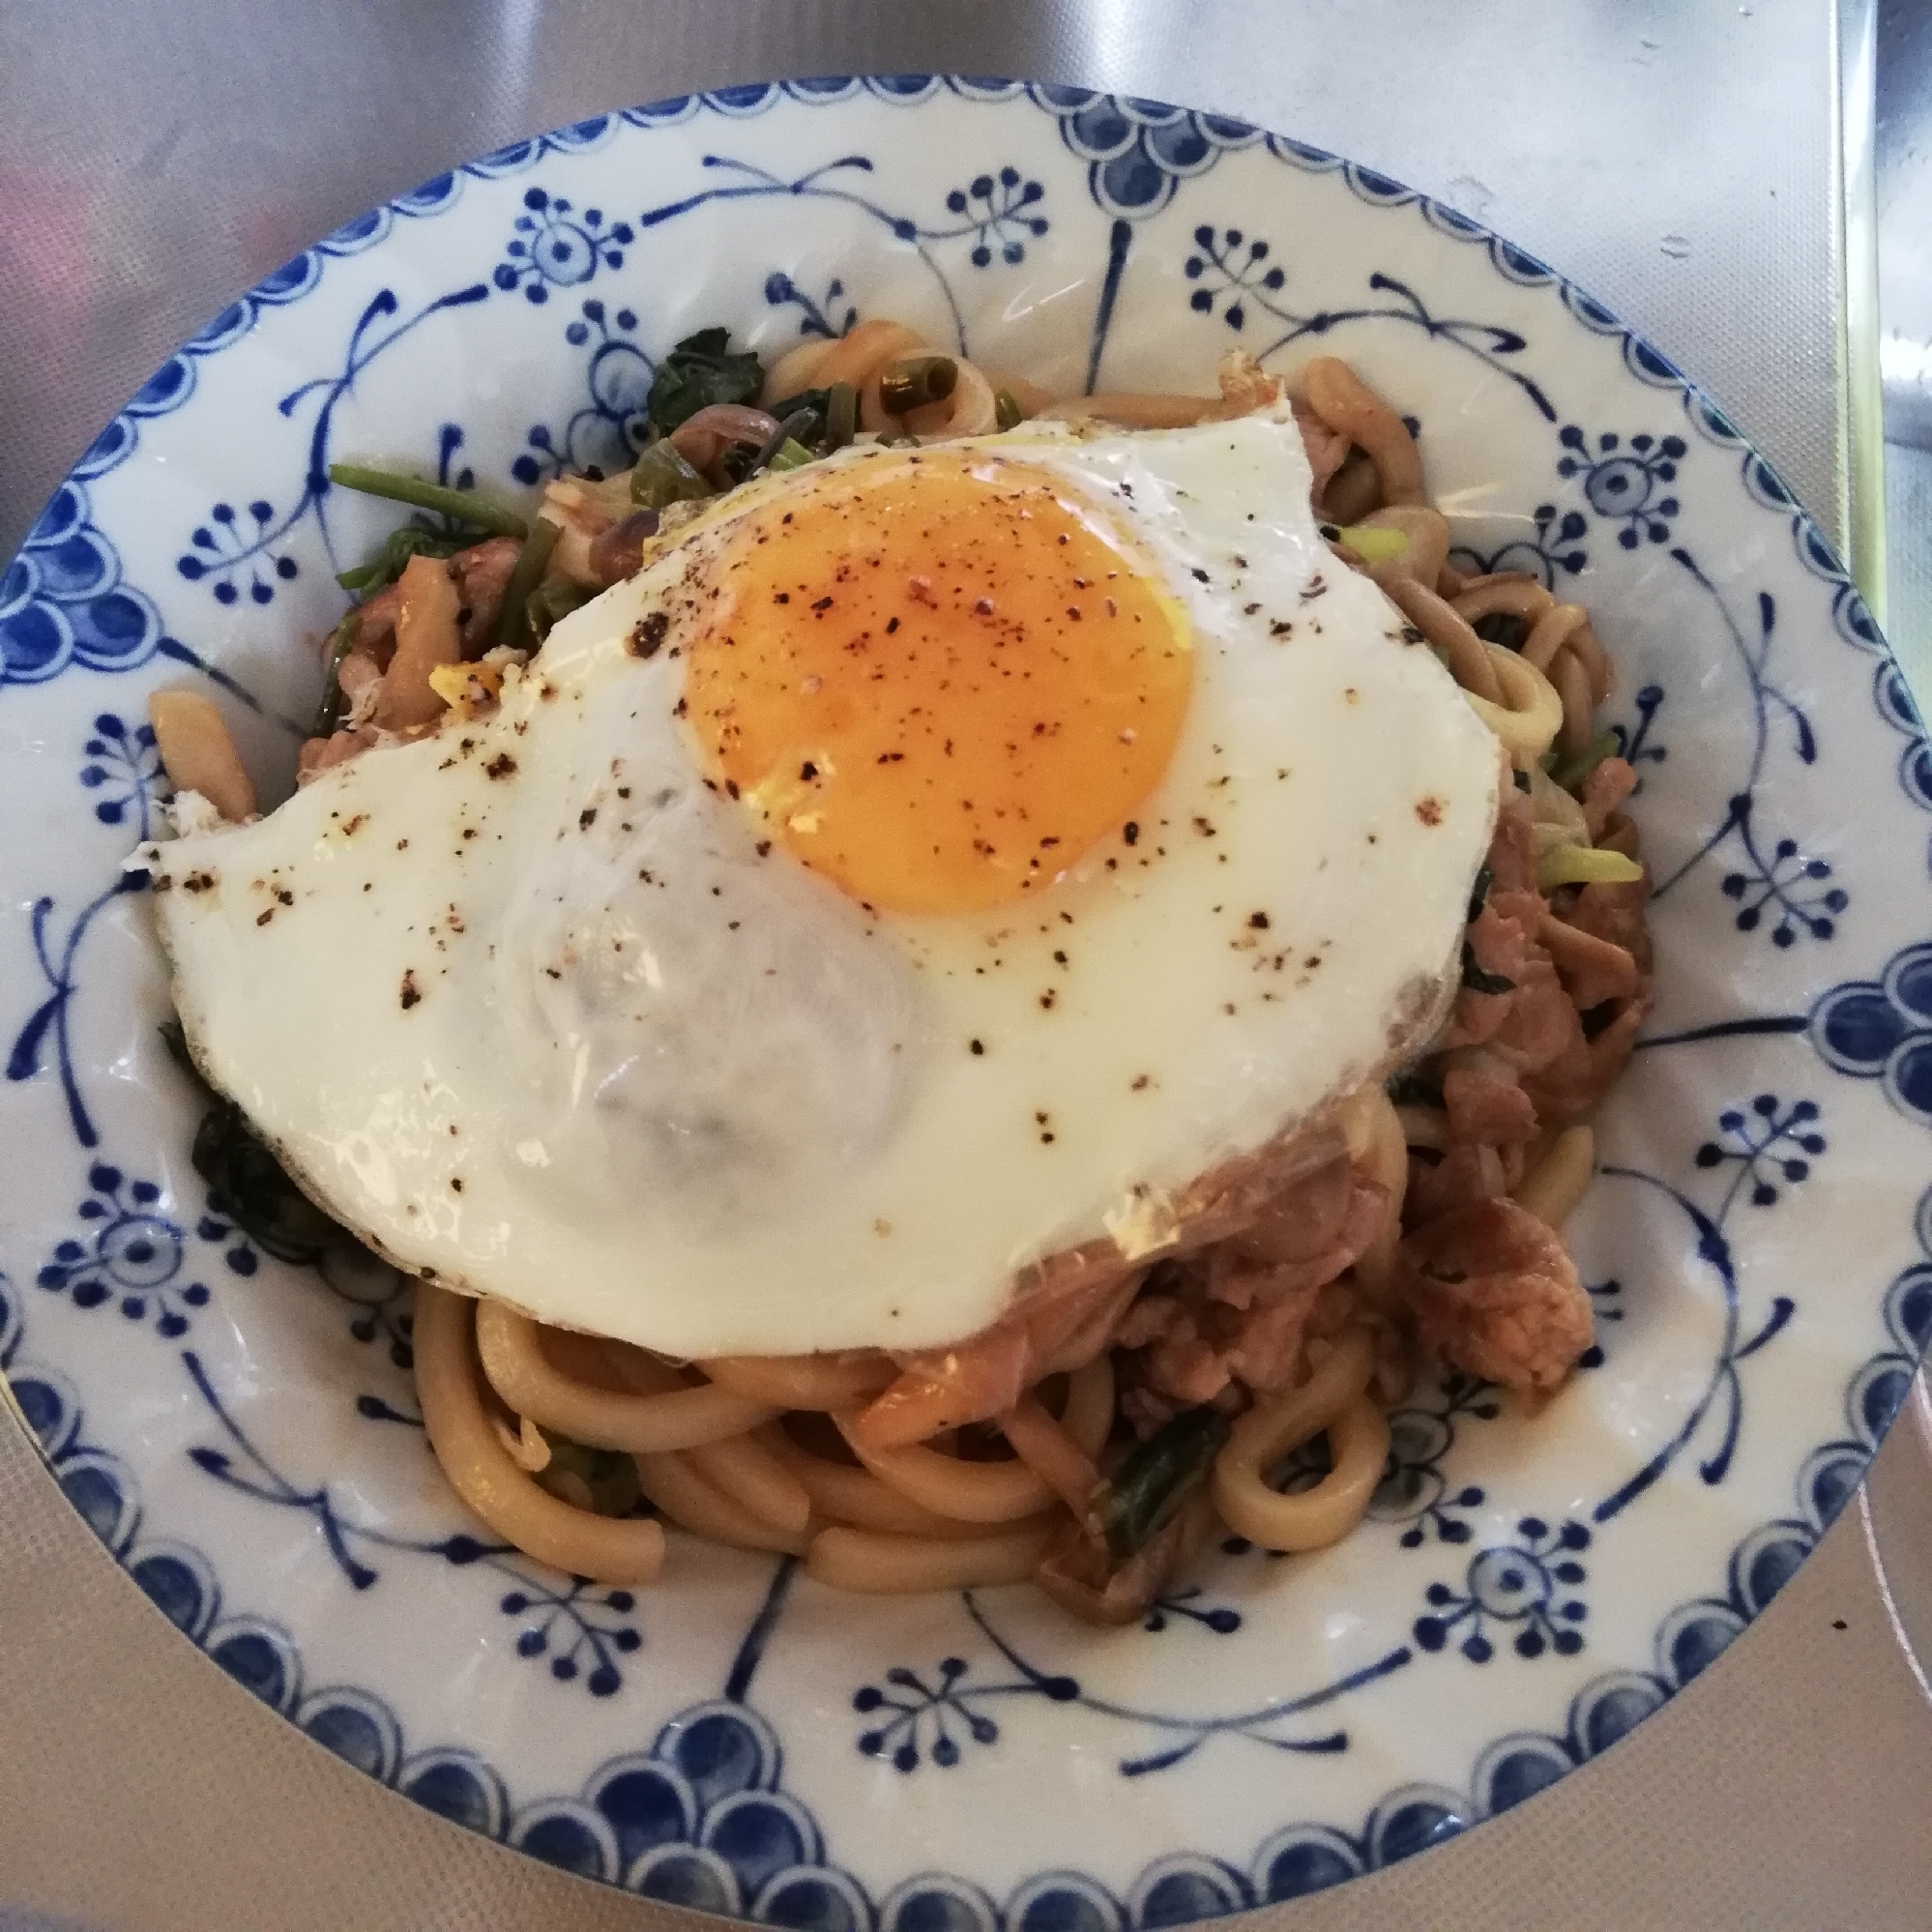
{"points": [[703, 370], [244, 1180]]}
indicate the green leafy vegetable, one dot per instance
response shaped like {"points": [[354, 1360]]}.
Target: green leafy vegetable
{"points": [[1585, 865], [543, 606], [525, 575], [814, 402], [387, 563], [1372, 543], [1571, 773], [664, 476], [604, 1480], [341, 641], [701, 370], [841, 416], [1159, 1476], [245, 1178], [464, 506]]}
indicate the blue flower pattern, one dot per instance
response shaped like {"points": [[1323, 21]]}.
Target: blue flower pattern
{"points": [[701, 1819], [557, 246], [227, 550], [607, 433], [1528, 1581], [1625, 482], [130, 1255]]}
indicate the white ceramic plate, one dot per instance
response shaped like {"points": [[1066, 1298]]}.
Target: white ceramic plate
{"points": [[242, 1433]]}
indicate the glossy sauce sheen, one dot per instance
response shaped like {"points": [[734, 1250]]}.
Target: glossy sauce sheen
{"points": [[538, 1007]]}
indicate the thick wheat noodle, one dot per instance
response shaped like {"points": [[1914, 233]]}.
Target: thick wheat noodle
{"points": [[1583, 640], [1514, 596], [1090, 1339], [715, 1459], [1353, 492], [1572, 682], [695, 1502], [1029, 395], [480, 1471], [1351, 409], [679, 1417], [1527, 721], [796, 370], [886, 1566], [1046, 1449], [1332, 1399], [802, 1381], [749, 1472], [1427, 534], [968, 411], [1063, 1453], [198, 755], [973, 1492], [1551, 1188], [1551, 631], [1436, 619], [862, 350], [844, 1494]]}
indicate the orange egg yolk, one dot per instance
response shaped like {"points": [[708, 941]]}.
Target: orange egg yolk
{"points": [[938, 678]]}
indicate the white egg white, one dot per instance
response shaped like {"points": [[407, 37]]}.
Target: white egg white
{"points": [[524, 1006]]}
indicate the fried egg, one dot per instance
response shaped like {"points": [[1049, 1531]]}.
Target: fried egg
{"points": [[933, 859]]}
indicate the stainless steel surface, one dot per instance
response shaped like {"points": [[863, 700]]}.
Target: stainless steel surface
{"points": [[1680, 161], [1904, 181], [1898, 1494]]}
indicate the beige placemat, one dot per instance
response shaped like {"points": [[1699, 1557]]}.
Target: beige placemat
{"points": [[1787, 1788]]}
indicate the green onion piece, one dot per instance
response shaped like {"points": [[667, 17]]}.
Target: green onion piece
{"points": [[553, 600], [791, 455], [1585, 865], [1007, 411], [914, 381], [341, 641], [664, 476], [841, 416], [525, 577], [1571, 773], [1159, 1476], [608, 1476], [812, 401], [1371, 542], [791, 428], [464, 504], [358, 579]]}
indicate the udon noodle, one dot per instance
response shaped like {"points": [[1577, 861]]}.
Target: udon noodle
{"points": [[1098, 1434]]}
